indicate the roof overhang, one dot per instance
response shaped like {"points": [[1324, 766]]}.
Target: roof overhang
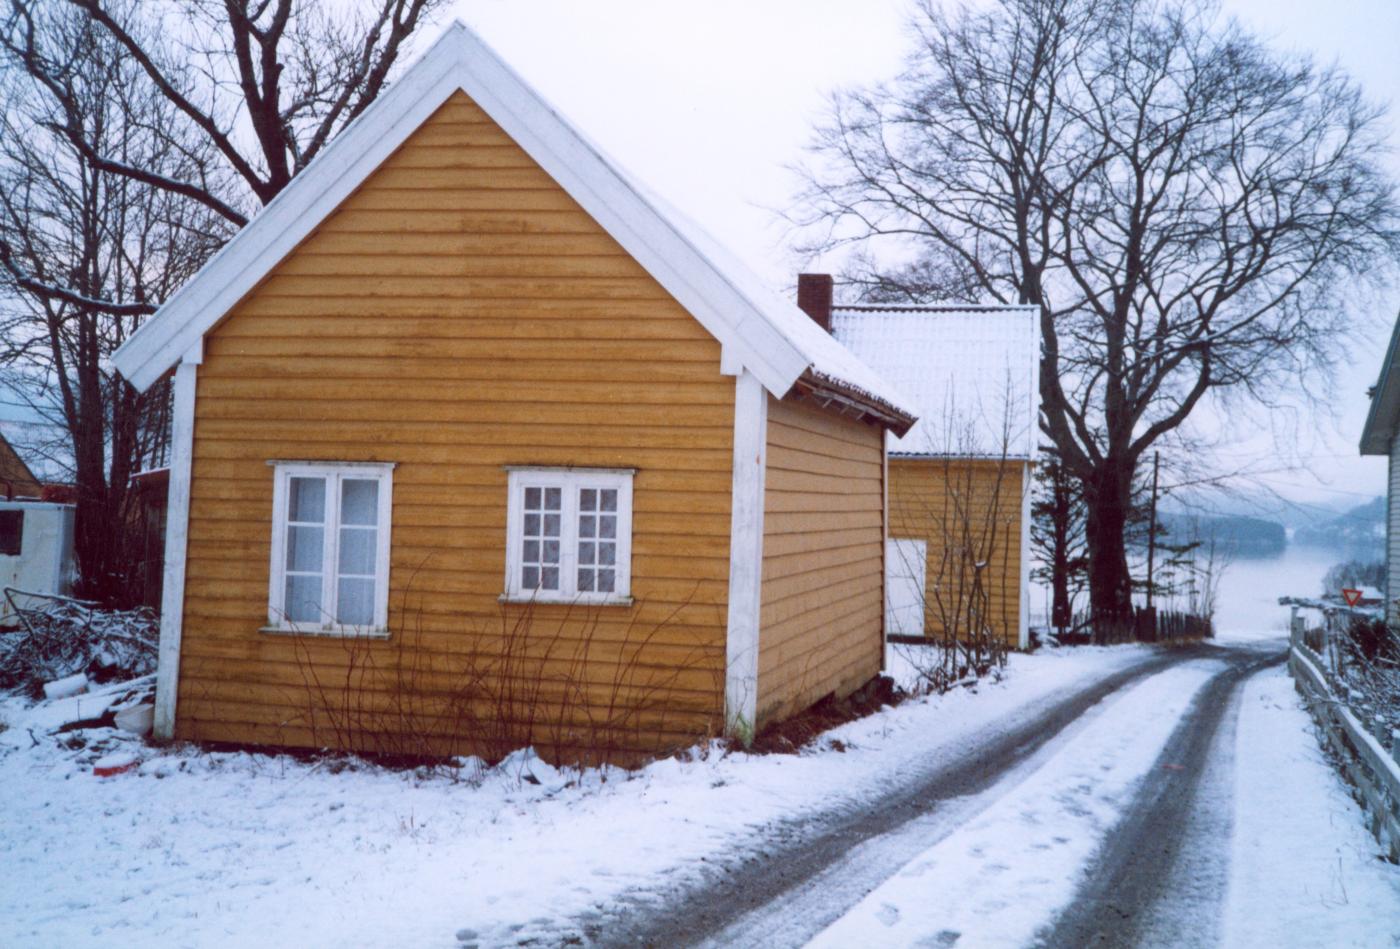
{"points": [[1383, 417], [848, 400]]}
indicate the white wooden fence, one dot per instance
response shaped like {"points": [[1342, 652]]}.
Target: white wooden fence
{"points": [[1370, 766]]}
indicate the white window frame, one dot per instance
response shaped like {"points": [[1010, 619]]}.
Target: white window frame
{"points": [[334, 473], [570, 481]]}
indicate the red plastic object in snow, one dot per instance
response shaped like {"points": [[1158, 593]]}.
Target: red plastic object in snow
{"points": [[114, 764]]}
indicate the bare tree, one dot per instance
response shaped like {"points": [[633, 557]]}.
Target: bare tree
{"points": [[135, 139], [82, 254], [1185, 206], [261, 85]]}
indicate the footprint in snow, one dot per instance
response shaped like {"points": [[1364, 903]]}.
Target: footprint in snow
{"points": [[887, 914]]}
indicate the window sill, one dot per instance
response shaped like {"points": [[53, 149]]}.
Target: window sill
{"points": [[582, 599], [341, 632]]}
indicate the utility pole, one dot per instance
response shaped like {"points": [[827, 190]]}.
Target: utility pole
{"points": [[1152, 531]]}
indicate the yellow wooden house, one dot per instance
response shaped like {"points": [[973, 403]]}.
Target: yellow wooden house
{"points": [[960, 479], [477, 443]]}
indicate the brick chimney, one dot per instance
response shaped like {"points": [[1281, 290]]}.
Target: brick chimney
{"points": [[814, 297]]}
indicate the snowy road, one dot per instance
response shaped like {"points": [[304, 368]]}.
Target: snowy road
{"points": [[1182, 803]]}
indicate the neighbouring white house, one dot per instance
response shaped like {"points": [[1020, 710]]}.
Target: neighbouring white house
{"points": [[1379, 438]]}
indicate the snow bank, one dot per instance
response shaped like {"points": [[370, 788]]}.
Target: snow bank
{"points": [[1304, 870]]}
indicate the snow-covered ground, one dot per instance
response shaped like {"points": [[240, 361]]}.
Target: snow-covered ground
{"points": [[1304, 871], [209, 849], [212, 849]]}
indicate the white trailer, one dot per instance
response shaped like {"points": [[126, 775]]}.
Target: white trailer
{"points": [[36, 550]]}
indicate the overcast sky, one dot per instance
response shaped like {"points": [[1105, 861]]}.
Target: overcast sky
{"points": [[711, 102]]}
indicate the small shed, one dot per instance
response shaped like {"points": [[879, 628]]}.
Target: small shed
{"points": [[478, 443], [960, 479], [36, 550]]}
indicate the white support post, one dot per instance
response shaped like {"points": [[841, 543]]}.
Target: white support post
{"points": [[884, 549], [177, 520], [745, 556]]}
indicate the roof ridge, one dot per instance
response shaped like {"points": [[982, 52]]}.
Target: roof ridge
{"points": [[935, 307]]}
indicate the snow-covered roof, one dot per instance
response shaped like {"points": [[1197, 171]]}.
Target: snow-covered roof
{"points": [[972, 372], [759, 330]]}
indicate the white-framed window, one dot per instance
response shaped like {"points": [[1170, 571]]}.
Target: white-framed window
{"points": [[569, 535], [330, 547]]}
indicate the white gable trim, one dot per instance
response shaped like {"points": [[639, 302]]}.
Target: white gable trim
{"points": [[460, 60]]}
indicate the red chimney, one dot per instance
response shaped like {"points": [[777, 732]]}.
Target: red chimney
{"points": [[814, 297]]}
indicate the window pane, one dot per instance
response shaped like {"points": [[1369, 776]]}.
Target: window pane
{"points": [[530, 577], [605, 581], [359, 502], [532, 551], [551, 525], [585, 581], [607, 527], [11, 533], [553, 499], [532, 498], [588, 527], [549, 578], [304, 548], [588, 500], [532, 525], [551, 552], [607, 554], [355, 602], [307, 500], [587, 553], [357, 550], [609, 499], [304, 599]]}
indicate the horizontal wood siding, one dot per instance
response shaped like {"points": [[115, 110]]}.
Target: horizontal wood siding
{"points": [[458, 314], [821, 612], [969, 512]]}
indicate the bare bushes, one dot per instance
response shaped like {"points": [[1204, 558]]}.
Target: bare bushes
{"points": [[59, 636], [1367, 666], [578, 689], [965, 501]]}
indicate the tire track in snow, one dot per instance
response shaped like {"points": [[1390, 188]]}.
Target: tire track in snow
{"points": [[1160, 877], [998, 879], [808, 873]]}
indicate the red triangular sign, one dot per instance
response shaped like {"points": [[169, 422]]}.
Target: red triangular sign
{"points": [[1352, 597]]}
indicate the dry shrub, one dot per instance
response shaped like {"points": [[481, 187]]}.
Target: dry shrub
{"points": [[522, 679], [59, 636]]}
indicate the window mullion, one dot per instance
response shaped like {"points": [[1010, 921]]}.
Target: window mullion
{"points": [[568, 539], [332, 549]]}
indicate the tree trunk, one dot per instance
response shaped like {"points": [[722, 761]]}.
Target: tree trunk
{"points": [[1109, 501], [1061, 511]]}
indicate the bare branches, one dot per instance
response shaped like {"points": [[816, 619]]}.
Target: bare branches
{"points": [[1184, 205], [55, 294], [135, 139]]}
